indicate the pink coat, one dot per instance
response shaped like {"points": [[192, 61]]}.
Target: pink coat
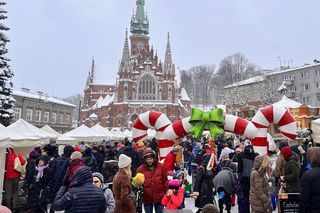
{"points": [[173, 201]]}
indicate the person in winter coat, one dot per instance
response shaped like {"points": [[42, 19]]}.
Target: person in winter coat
{"points": [[259, 187], [89, 160], [133, 154], [245, 166], [174, 196], [310, 184], [279, 169], [61, 165], [122, 188], [39, 185], [170, 160], [155, 185], [109, 170], [83, 196], [30, 167], [74, 163], [11, 179], [98, 182], [291, 171], [224, 183], [99, 158], [203, 185]]}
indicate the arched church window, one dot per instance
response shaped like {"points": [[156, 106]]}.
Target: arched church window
{"points": [[147, 87]]}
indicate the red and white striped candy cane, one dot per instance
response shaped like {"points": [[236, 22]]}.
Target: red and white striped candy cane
{"points": [[156, 120], [256, 129]]}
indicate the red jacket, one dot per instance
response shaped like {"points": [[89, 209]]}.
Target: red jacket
{"points": [[10, 172], [173, 201], [169, 162], [156, 181]]}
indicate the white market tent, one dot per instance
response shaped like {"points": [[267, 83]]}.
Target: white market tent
{"points": [[84, 133], [62, 140], [101, 131], [117, 134], [128, 133], [315, 127], [22, 130], [21, 136], [287, 103]]}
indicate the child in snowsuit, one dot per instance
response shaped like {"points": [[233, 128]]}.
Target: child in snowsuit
{"points": [[174, 196], [137, 183]]}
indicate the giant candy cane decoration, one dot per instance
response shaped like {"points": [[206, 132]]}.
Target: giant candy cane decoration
{"points": [[256, 129]]}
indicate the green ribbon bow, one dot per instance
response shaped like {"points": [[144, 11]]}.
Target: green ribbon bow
{"points": [[199, 120]]}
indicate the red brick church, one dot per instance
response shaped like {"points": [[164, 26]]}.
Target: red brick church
{"points": [[144, 83]]}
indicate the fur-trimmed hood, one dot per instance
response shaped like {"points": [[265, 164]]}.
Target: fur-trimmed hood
{"points": [[261, 163]]}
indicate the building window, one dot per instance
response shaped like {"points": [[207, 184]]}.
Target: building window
{"points": [[67, 119], [29, 114], [60, 118], [318, 96], [304, 74], [54, 117], [317, 85], [288, 77], [147, 88], [46, 117], [306, 87], [305, 99], [17, 113], [38, 115], [317, 72], [292, 88]]}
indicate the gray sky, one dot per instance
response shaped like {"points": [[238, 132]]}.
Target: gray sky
{"points": [[52, 42]]}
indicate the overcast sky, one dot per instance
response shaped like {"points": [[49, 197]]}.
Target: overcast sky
{"points": [[52, 42]]}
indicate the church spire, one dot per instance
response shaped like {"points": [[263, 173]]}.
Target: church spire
{"points": [[139, 21], [168, 57], [126, 51], [93, 67]]}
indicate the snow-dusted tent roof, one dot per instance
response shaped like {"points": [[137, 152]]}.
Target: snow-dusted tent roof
{"points": [[117, 134], [83, 133], [27, 135], [63, 140], [128, 133], [99, 130], [286, 102]]}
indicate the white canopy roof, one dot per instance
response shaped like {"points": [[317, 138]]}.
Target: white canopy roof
{"points": [[286, 102], [4, 138], [99, 130], [128, 133], [83, 133], [24, 134], [117, 134], [62, 139]]}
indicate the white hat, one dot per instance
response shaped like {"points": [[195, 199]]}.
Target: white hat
{"points": [[124, 161]]}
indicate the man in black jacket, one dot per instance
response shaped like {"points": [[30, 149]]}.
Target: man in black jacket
{"points": [[82, 197]]}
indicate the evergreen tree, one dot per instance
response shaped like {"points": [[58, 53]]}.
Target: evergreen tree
{"points": [[6, 100]]}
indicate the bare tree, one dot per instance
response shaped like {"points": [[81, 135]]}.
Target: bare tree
{"points": [[198, 82]]}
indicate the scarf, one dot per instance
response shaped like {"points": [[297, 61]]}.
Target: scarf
{"points": [[40, 171]]}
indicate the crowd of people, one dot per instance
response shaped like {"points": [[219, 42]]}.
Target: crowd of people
{"points": [[129, 177]]}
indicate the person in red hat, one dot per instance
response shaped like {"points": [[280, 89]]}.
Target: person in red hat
{"points": [[291, 170], [174, 196]]}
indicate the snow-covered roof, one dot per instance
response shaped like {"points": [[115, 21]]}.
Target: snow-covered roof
{"points": [[37, 97], [286, 102], [184, 95], [93, 115], [293, 69], [84, 133], [47, 128], [259, 78], [27, 130]]}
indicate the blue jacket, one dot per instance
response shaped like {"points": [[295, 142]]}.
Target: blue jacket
{"points": [[82, 197]]}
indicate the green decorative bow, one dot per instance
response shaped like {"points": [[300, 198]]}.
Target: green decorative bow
{"points": [[199, 120]]}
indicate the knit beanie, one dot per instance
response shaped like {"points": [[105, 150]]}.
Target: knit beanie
{"points": [[124, 161], [98, 175], [76, 155], [174, 184], [286, 152]]}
